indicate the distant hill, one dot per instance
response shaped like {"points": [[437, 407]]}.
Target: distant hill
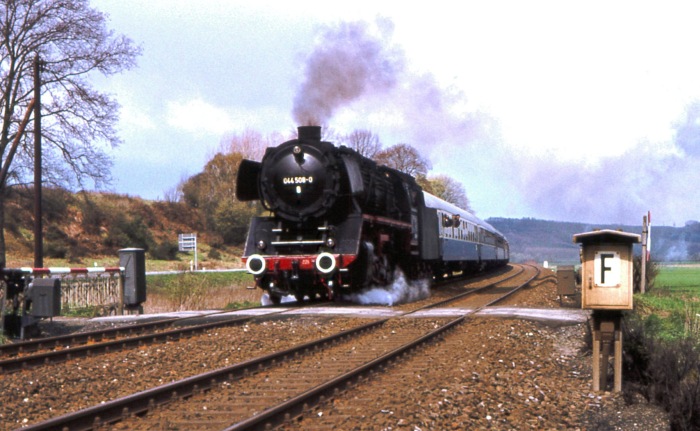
{"points": [[540, 240]]}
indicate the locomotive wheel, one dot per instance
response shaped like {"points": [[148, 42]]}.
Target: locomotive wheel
{"points": [[383, 271]]}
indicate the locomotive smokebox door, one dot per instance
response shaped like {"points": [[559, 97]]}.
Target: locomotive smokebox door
{"points": [[606, 269]]}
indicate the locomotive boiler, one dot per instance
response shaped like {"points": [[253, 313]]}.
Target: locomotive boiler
{"points": [[339, 223]]}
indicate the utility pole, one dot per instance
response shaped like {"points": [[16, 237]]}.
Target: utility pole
{"points": [[38, 224], [645, 252]]}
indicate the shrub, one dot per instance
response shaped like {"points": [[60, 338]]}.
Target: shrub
{"points": [[129, 232], [652, 270], [166, 250], [214, 254], [666, 372]]}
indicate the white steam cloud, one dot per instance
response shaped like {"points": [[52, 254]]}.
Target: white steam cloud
{"points": [[399, 292]]}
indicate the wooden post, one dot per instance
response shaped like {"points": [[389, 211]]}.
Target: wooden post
{"points": [[607, 339], [596, 353], [618, 355], [38, 225], [645, 231]]}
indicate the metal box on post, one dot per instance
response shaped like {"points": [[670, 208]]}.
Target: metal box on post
{"points": [[133, 260], [45, 295], [606, 269], [566, 281]]}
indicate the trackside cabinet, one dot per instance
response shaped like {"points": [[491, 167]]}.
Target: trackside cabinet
{"points": [[606, 288], [133, 260], [606, 269], [45, 294]]}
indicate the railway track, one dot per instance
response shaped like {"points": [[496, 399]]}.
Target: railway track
{"points": [[346, 358], [40, 352], [62, 349]]}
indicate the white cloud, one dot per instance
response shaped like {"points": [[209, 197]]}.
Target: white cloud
{"points": [[196, 116]]}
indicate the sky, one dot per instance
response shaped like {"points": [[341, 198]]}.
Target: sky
{"points": [[557, 110]]}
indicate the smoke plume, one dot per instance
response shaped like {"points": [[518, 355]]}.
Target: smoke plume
{"points": [[356, 65], [357, 74], [348, 61]]}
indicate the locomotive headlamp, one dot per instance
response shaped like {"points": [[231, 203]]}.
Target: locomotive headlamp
{"points": [[255, 264], [330, 242], [261, 245], [326, 263]]}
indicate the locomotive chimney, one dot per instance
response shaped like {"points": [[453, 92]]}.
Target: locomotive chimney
{"points": [[312, 133]]}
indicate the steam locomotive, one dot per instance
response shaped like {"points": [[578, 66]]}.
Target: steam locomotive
{"points": [[340, 223]]}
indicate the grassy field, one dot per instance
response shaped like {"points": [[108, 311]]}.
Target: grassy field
{"points": [[675, 299]]}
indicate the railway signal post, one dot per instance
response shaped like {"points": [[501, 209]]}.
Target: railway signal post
{"points": [[606, 288]]}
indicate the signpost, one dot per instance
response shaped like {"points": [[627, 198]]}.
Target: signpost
{"points": [[188, 242]]}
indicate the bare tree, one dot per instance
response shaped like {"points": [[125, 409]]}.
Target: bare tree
{"points": [[251, 144], [364, 142], [404, 158], [448, 189], [71, 40]]}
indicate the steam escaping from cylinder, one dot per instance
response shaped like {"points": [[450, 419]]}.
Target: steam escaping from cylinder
{"points": [[401, 291], [349, 60], [265, 299]]}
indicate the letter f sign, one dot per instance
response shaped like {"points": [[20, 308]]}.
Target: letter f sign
{"points": [[607, 268]]}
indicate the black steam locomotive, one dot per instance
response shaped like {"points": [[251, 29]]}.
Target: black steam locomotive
{"points": [[341, 223]]}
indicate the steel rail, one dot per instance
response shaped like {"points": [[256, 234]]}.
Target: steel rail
{"points": [[473, 291], [29, 346], [283, 412], [295, 406], [24, 362], [115, 410]]}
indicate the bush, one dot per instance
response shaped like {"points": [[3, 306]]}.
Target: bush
{"points": [[56, 244], [129, 232], [166, 250], [652, 270], [214, 254], [92, 215], [666, 372]]}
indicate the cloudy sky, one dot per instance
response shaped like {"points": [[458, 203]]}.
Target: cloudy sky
{"points": [[572, 111]]}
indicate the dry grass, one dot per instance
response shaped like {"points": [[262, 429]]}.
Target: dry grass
{"points": [[214, 299], [190, 291]]}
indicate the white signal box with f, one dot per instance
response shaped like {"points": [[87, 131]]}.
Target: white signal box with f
{"points": [[606, 269]]}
